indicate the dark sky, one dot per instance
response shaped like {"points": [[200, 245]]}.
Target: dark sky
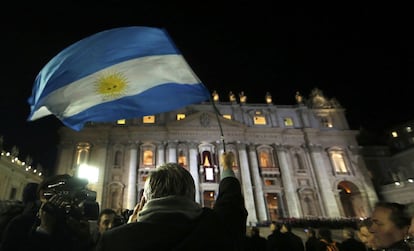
{"points": [[361, 55]]}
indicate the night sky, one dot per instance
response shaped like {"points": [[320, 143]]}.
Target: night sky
{"points": [[361, 55]]}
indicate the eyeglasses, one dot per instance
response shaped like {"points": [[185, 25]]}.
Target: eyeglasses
{"points": [[409, 240]]}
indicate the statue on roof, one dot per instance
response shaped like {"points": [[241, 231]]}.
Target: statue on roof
{"points": [[232, 97], [242, 97], [318, 100], [299, 97]]}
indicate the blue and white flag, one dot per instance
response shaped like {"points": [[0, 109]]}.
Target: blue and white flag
{"points": [[115, 74]]}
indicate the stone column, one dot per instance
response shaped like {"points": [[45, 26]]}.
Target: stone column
{"points": [[246, 184], [171, 152], [325, 188], [193, 164], [64, 163], [318, 203], [132, 177], [282, 205], [160, 155], [257, 184], [367, 209], [98, 158], [289, 182]]}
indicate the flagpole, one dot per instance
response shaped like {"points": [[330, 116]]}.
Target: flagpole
{"points": [[219, 123]]}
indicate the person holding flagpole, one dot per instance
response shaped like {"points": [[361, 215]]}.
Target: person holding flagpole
{"points": [[168, 218]]}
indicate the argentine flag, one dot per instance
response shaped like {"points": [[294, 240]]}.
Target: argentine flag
{"points": [[115, 74]]}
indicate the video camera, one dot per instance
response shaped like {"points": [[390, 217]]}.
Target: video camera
{"points": [[69, 196]]}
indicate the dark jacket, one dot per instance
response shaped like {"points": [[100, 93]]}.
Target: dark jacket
{"points": [[18, 230], [221, 228], [398, 246], [352, 244], [311, 244], [285, 241]]}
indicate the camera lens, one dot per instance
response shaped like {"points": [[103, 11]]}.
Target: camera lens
{"points": [[409, 239]]}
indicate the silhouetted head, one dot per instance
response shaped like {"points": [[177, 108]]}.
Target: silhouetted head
{"points": [[30, 193], [169, 179]]}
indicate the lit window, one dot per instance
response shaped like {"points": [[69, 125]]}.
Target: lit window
{"points": [[121, 122], [180, 116], [208, 198], [227, 116], [209, 174], [264, 159], [394, 134], [182, 159], [148, 119], [82, 153], [288, 121], [259, 120], [148, 157], [339, 163], [91, 173]]}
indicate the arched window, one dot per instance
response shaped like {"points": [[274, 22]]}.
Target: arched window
{"points": [[118, 159], [265, 157], [208, 167], [182, 159], [148, 159], [82, 153], [308, 206], [182, 154], [206, 162], [299, 163]]}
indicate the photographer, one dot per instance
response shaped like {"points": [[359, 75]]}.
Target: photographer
{"points": [[63, 217]]}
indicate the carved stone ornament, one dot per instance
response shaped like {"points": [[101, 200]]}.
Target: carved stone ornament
{"points": [[204, 120]]}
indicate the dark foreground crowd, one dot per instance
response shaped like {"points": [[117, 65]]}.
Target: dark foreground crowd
{"points": [[58, 215]]}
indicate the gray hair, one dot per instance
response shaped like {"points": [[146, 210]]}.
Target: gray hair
{"points": [[169, 179]]}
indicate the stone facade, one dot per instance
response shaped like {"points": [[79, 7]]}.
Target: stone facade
{"points": [[15, 174], [297, 160], [391, 164]]}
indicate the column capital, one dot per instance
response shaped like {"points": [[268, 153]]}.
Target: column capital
{"points": [[280, 147], [171, 143], [241, 145], [251, 147], [192, 145], [315, 147], [132, 146]]}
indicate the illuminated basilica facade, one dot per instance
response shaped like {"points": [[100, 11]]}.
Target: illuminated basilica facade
{"points": [[298, 160]]}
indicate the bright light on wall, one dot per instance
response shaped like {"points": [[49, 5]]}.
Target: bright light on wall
{"points": [[90, 173]]}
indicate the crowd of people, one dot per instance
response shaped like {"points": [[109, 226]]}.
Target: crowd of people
{"points": [[57, 215], [389, 228]]}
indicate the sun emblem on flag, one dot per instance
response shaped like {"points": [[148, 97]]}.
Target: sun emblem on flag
{"points": [[111, 85]]}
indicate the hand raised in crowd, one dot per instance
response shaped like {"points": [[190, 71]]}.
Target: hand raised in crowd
{"points": [[137, 209], [227, 160]]}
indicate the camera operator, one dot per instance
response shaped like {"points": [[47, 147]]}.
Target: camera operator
{"points": [[62, 223]]}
